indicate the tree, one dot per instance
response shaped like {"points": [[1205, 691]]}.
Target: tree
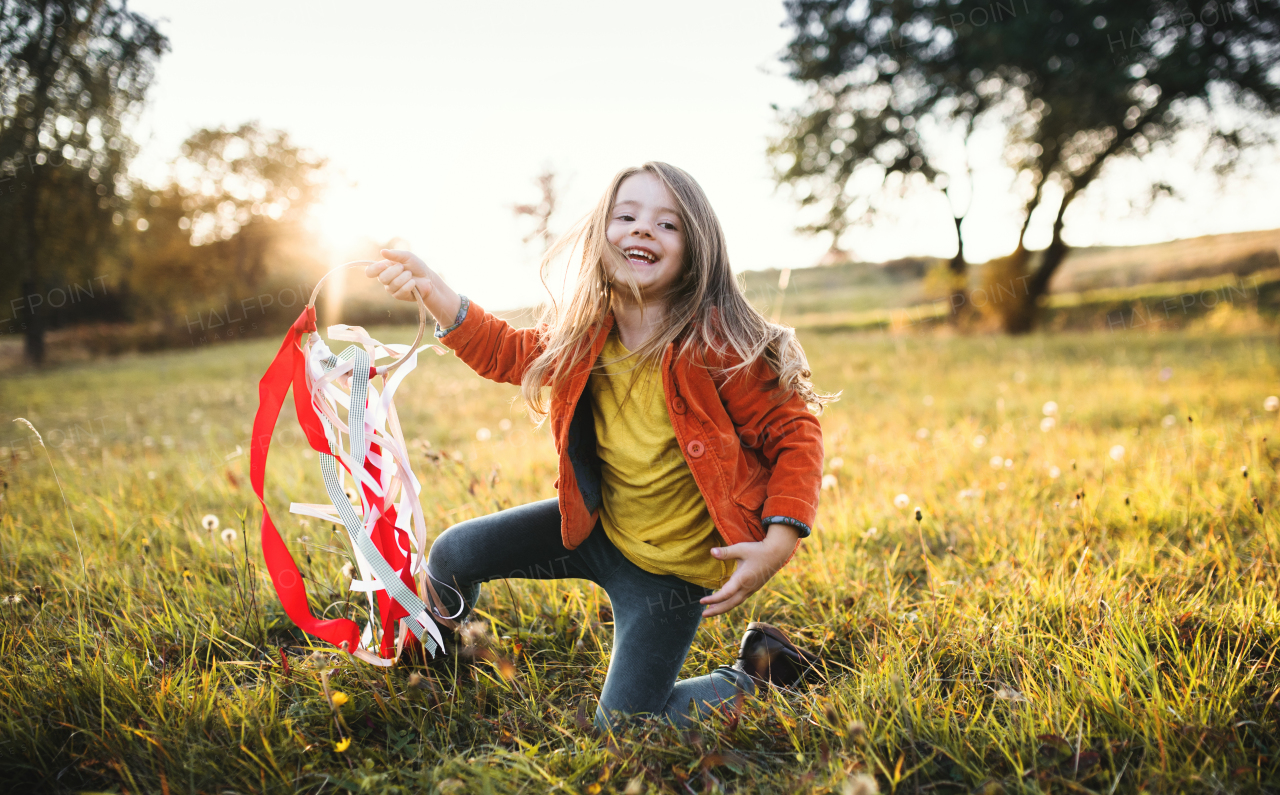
{"points": [[866, 128], [210, 234], [74, 74], [1074, 83], [542, 211]]}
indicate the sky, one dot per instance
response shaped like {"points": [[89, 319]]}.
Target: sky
{"points": [[436, 118]]}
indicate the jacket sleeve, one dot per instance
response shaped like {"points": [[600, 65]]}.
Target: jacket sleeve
{"points": [[491, 346], [788, 436]]}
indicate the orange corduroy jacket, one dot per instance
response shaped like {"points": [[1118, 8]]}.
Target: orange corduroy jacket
{"points": [[753, 454]]}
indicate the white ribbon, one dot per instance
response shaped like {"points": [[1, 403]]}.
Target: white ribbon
{"points": [[332, 379]]}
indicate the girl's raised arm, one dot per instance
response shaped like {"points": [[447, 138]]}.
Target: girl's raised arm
{"points": [[487, 344]]}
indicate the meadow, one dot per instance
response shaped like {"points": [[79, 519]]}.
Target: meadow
{"points": [[1088, 602]]}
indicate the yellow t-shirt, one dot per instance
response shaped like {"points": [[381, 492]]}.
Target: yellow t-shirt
{"points": [[652, 510]]}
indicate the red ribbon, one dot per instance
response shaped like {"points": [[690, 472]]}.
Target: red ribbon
{"points": [[290, 366]]}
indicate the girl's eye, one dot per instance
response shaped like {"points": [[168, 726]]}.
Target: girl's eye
{"points": [[625, 217], [668, 225]]}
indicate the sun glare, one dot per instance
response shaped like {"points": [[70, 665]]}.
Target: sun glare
{"points": [[345, 221]]}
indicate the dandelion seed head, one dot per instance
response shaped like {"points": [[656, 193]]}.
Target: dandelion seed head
{"points": [[151, 474], [483, 434], [1001, 486], [1006, 693], [1050, 408], [872, 532], [1271, 403], [828, 482], [1169, 421], [504, 424], [997, 461], [1054, 472], [210, 522], [229, 536], [922, 433], [475, 633], [836, 463], [348, 570], [1047, 424], [1117, 452], [979, 441], [860, 784], [901, 501]]}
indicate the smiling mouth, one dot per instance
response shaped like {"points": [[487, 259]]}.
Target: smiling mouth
{"points": [[640, 256]]}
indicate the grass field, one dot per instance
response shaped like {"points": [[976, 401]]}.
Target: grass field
{"points": [[1090, 607]]}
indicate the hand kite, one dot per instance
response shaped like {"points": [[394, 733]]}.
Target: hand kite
{"points": [[387, 531]]}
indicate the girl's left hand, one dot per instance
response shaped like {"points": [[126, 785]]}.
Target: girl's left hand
{"points": [[760, 560]]}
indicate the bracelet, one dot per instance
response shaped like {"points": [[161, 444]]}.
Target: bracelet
{"points": [[457, 321], [796, 523]]}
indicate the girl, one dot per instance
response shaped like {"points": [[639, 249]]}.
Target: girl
{"points": [[689, 463]]}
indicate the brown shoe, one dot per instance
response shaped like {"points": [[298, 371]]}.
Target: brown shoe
{"points": [[768, 655]]}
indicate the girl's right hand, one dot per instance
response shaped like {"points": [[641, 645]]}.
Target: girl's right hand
{"points": [[401, 271]]}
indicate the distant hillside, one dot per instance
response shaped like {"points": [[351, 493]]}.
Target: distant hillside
{"points": [[858, 287], [853, 286], [1240, 253]]}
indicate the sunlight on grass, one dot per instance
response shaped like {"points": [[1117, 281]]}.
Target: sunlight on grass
{"points": [[1087, 604]]}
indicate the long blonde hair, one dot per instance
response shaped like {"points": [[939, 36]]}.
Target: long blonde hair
{"points": [[707, 301]]}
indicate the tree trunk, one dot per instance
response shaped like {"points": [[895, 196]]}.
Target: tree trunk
{"points": [[33, 291], [1037, 285], [33, 333], [959, 268]]}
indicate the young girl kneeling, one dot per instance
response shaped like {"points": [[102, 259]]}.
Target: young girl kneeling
{"points": [[690, 463]]}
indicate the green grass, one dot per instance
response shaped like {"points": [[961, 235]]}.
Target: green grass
{"points": [[1110, 630]]}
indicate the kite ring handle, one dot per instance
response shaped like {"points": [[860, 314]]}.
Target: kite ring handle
{"points": [[422, 313]]}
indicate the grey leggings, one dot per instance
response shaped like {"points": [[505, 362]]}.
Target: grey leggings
{"points": [[655, 615]]}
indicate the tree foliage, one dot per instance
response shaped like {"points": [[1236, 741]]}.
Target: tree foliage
{"points": [[74, 75], [1073, 84], [228, 219]]}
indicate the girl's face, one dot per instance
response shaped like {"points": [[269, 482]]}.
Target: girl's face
{"points": [[646, 226]]}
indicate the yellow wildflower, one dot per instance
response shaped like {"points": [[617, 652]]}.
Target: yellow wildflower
{"points": [[342, 744], [339, 698]]}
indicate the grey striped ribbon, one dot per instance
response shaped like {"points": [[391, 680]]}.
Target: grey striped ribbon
{"points": [[387, 576]]}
